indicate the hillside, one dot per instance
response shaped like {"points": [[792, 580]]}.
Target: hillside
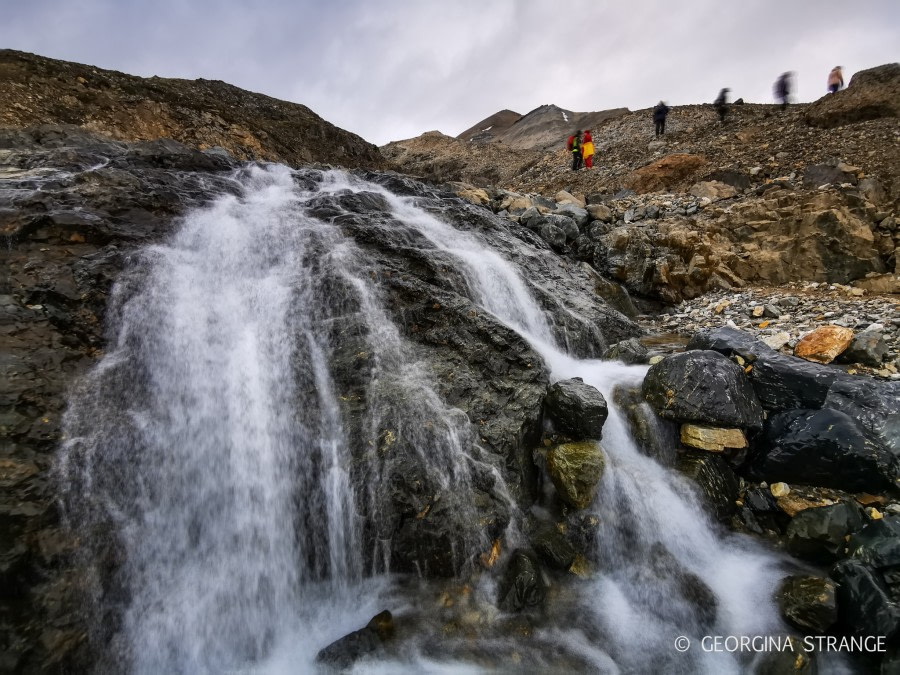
{"points": [[202, 114]]}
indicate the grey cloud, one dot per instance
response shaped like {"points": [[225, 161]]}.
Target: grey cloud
{"points": [[395, 68]]}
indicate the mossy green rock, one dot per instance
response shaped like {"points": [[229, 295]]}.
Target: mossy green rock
{"points": [[575, 469]]}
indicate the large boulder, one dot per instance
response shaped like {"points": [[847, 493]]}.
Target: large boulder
{"points": [[575, 469], [875, 405], [865, 604], [823, 447], [877, 545], [577, 409], [820, 534], [702, 387], [872, 94], [808, 603]]}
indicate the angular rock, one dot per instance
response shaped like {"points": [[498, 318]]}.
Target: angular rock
{"points": [[600, 212], [563, 197], [703, 387], [344, 652], [576, 213], [629, 351], [877, 545], [577, 409], [664, 173], [713, 190], [823, 447], [819, 534], [824, 344], [655, 437], [865, 606], [826, 174], [808, 603], [522, 585], [575, 469], [711, 438], [867, 348], [718, 484], [874, 405], [553, 235]]}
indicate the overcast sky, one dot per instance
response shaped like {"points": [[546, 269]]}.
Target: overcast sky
{"points": [[393, 69]]}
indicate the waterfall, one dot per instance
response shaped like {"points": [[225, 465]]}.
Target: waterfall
{"points": [[211, 471]]}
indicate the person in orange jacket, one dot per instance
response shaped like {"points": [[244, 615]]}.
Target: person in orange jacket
{"points": [[835, 79], [587, 150]]}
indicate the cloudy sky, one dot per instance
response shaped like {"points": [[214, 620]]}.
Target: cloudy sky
{"points": [[392, 69]]}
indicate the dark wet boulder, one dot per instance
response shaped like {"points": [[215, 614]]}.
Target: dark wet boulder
{"points": [[703, 387], [826, 448], [730, 342], [553, 236], [522, 585], [344, 652], [553, 547], [820, 534], [865, 606], [575, 469], [877, 545], [868, 348], [874, 404], [718, 485], [629, 351], [576, 409], [808, 603]]}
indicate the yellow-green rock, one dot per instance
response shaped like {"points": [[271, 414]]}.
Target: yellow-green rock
{"points": [[575, 469]]}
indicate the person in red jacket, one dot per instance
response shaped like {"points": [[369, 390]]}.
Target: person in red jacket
{"points": [[587, 150]]}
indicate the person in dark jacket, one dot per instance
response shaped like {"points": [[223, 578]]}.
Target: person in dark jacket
{"points": [[783, 89], [659, 118], [721, 104], [574, 146]]}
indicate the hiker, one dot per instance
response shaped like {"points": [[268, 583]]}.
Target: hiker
{"points": [[783, 89], [835, 80], [659, 118], [721, 104], [574, 146], [587, 150]]}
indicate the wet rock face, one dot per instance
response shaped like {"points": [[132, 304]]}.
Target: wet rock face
{"points": [[820, 534], [343, 653], [101, 200], [703, 387], [717, 482]]}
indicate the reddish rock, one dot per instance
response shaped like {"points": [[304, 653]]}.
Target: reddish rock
{"points": [[664, 173], [824, 343]]}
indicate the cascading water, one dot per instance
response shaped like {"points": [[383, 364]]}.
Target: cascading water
{"points": [[210, 467]]}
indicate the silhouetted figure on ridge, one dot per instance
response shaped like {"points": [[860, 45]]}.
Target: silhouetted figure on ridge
{"points": [[659, 118], [783, 89], [721, 104], [835, 79]]}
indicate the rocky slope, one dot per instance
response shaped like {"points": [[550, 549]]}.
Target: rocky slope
{"points": [[201, 114]]}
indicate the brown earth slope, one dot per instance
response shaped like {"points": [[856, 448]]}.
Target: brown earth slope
{"points": [[199, 113]]}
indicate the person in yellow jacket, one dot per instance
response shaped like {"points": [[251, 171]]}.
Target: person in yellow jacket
{"points": [[587, 150]]}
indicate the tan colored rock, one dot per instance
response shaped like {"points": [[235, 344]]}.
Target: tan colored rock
{"points": [[780, 490], [563, 197], [516, 203], [476, 196], [600, 212], [824, 344], [713, 190], [778, 340], [885, 284], [713, 439]]}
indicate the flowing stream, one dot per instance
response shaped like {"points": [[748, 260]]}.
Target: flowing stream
{"points": [[208, 466]]}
